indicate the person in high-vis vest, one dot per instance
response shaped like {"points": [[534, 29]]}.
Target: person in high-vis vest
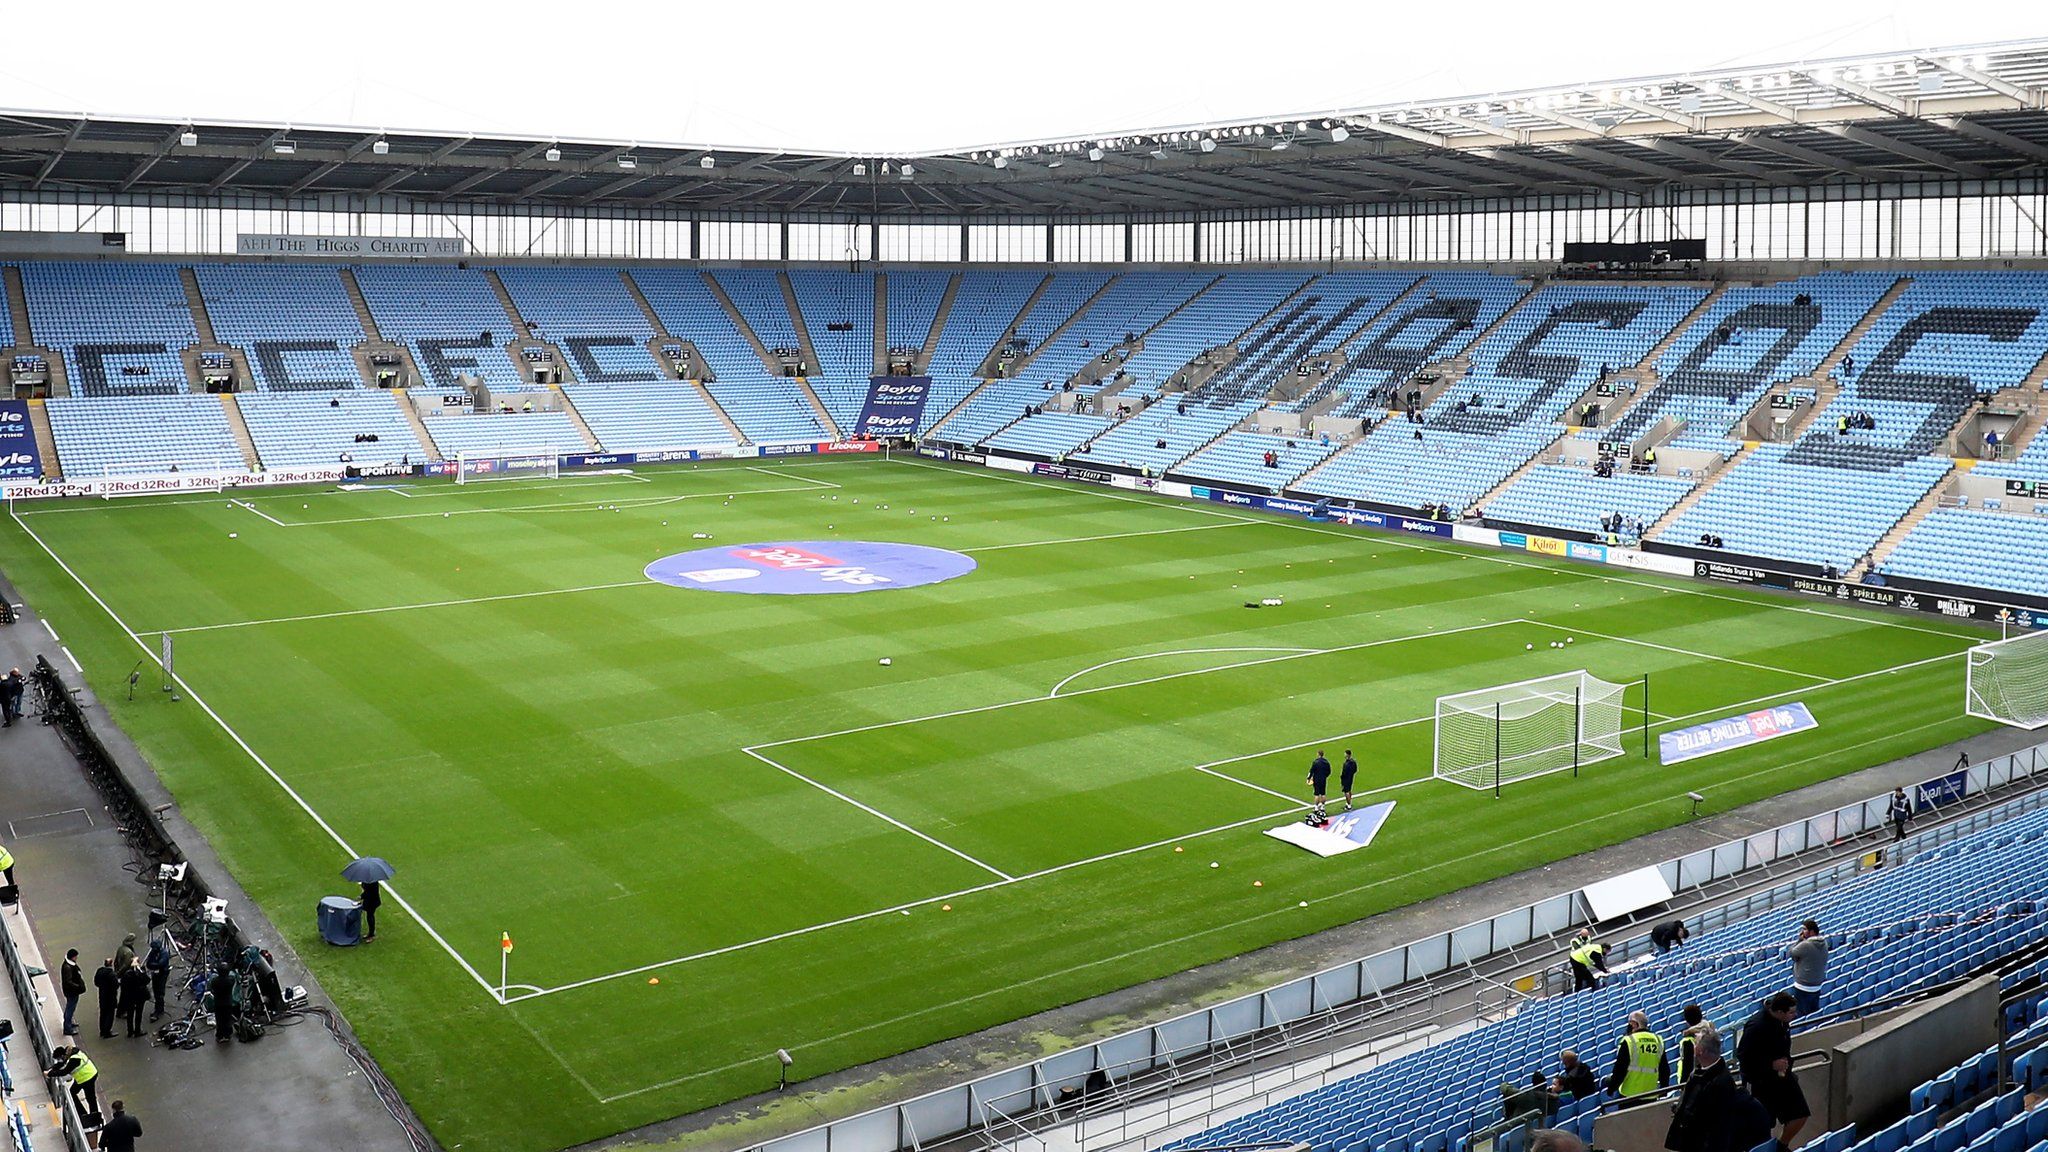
{"points": [[85, 1088], [1587, 955], [7, 865], [1640, 1064]]}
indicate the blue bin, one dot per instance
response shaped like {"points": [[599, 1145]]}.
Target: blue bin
{"points": [[341, 920]]}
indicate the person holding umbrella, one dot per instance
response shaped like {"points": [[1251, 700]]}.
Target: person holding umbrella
{"points": [[370, 872]]}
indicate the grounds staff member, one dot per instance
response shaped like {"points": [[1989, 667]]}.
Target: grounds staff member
{"points": [[1640, 1064], [1319, 778], [1586, 956]]}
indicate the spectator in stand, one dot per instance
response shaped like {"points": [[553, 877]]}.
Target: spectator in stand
{"points": [[1900, 814], [1576, 1080], [108, 982], [1532, 1099], [1587, 955], [1809, 956], [1696, 1025], [1713, 1115], [71, 982], [1555, 1140], [1765, 1058], [1640, 1063], [1669, 935]]}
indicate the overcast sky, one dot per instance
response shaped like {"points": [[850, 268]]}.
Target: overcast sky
{"points": [[893, 76]]}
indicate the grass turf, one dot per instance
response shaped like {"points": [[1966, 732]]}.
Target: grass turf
{"points": [[549, 745]]}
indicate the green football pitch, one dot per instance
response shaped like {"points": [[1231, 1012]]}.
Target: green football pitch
{"points": [[715, 824]]}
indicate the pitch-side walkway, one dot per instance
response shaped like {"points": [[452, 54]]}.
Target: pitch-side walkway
{"points": [[295, 1088]]}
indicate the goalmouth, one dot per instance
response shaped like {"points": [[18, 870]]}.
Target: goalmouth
{"points": [[537, 463], [2007, 681], [1496, 736]]}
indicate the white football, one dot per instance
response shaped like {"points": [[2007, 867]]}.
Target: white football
{"points": [[885, 661]]}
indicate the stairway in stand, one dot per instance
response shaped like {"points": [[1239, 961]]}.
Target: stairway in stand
{"points": [[1898, 532], [1699, 490]]}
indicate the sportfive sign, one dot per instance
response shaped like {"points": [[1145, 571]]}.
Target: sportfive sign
{"points": [[809, 567]]}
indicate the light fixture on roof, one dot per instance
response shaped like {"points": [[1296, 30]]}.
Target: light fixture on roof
{"points": [[553, 154], [382, 147], [1339, 134], [707, 162], [628, 163], [1056, 164], [1001, 162], [1159, 153], [1095, 153], [284, 147], [860, 168], [1980, 61], [188, 139], [1280, 145], [1301, 125], [1784, 80]]}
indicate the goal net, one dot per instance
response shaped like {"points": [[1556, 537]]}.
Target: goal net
{"points": [[1496, 736], [536, 463], [2008, 681]]}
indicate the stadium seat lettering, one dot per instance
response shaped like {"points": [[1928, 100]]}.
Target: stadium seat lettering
{"points": [[442, 368], [277, 374], [582, 352]]}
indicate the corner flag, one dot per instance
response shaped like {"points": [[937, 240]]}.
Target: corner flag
{"points": [[506, 943]]}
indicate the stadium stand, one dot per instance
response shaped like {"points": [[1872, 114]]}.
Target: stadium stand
{"points": [[482, 433], [448, 317], [294, 321], [1752, 337], [839, 316], [658, 416], [1222, 312], [119, 326], [983, 307], [1329, 312], [100, 435], [1572, 498], [589, 315], [1130, 305], [298, 431], [1983, 548], [765, 408], [1407, 466], [1440, 319], [1935, 916], [1051, 434], [913, 304], [1239, 459], [1778, 503]]}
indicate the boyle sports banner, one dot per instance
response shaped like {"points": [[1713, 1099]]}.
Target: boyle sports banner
{"points": [[894, 406], [19, 457], [1733, 732]]}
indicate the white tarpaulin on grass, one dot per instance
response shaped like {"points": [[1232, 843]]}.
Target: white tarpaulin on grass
{"points": [[1346, 831]]}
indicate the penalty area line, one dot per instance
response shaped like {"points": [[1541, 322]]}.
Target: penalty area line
{"points": [[878, 814]]}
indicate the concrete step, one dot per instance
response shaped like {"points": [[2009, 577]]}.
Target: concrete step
{"points": [[640, 298], [240, 427], [1548, 451], [1386, 309], [195, 300], [1928, 502], [1699, 490], [519, 325], [1017, 369], [46, 441], [711, 402], [769, 364], [17, 309], [1535, 287], [362, 305], [1824, 392], [1833, 359], [960, 407], [818, 406], [991, 362], [804, 346], [590, 440], [1649, 361], [931, 340], [419, 426], [881, 323]]}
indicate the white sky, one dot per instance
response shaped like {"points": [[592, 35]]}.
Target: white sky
{"points": [[892, 75]]}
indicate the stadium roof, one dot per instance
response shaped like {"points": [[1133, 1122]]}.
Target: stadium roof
{"points": [[1974, 112]]}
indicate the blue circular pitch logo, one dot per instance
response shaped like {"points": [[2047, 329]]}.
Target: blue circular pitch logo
{"points": [[809, 567]]}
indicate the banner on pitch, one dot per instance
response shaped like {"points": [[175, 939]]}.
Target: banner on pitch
{"points": [[1346, 831], [1733, 732], [894, 406]]}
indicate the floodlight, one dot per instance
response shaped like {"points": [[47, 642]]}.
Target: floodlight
{"points": [[1339, 134], [707, 162], [1279, 145], [1208, 144], [188, 139], [1159, 153], [905, 171], [1095, 153], [381, 147], [628, 163], [553, 154], [1979, 61], [1055, 163], [1000, 162], [284, 147], [860, 168]]}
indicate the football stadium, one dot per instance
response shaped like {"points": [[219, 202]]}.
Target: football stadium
{"points": [[1510, 621]]}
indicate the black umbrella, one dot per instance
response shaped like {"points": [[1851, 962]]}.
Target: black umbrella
{"points": [[369, 870]]}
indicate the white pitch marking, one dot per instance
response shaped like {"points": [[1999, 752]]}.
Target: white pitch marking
{"points": [[45, 620], [1107, 536], [74, 660], [567, 506], [399, 608], [878, 814], [178, 679], [1176, 652], [1681, 651], [259, 512]]}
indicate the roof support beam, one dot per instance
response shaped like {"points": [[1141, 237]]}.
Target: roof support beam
{"points": [[235, 169], [2005, 88], [1511, 135], [1799, 152], [1993, 136], [1883, 143], [1684, 120], [476, 178], [1553, 168], [1569, 120], [142, 168], [50, 165], [1865, 94], [1701, 156], [1785, 112], [1634, 164], [331, 167], [1416, 135]]}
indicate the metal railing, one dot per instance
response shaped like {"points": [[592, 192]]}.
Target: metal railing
{"points": [[30, 1000]]}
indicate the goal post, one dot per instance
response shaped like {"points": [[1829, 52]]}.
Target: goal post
{"points": [[525, 464], [2007, 681], [1492, 737]]}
